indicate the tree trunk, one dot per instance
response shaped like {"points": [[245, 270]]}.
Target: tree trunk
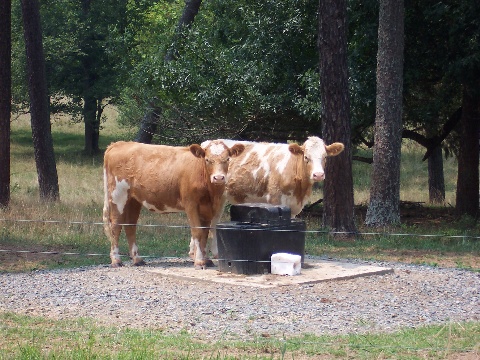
{"points": [[383, 209], [338, 203], [436, 181], [5, 99], [467, 181], [148, 125], [188, 16], [92, 126], [37, 88]]}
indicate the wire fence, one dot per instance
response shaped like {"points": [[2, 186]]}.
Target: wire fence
{"points": [[271, 229], [267, 227]]}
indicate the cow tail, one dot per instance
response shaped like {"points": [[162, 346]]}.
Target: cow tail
{"points": [[106, 203]]}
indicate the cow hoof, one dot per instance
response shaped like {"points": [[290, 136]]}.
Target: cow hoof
{"points": [[116, 265], [199, 267], [209, 263], [139, 263]]}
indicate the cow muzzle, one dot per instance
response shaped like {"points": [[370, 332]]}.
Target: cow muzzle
{"points": [[218, 179], [318, 176]]}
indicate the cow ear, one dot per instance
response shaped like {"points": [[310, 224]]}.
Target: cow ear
{"points": [[236, 150], [197, 150], [334, 149], [295, 149]]}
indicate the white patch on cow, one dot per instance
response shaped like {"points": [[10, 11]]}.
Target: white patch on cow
{"points": [[120, 194], [315, 150], [261, 150], [282, 164], [134, 251], [150, 207], [154, 208], [198, 251], [115, 253], [217, 149], [247, 156], [285, 200], [105, 191], [192, 247]]}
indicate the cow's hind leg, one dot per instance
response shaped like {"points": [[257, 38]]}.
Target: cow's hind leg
{"points": [[132, 212], [112, 221]]}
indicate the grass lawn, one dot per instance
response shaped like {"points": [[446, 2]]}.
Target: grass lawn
{"points": [[37, 338]]}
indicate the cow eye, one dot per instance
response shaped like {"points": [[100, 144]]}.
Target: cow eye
{"points": [[307, 159]]}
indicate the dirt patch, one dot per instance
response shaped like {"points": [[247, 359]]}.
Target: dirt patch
{"points": [[15, 258]]}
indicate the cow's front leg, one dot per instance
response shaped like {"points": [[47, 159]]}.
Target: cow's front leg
{"points": [[191, 251], [199, 239], [212, 246]]}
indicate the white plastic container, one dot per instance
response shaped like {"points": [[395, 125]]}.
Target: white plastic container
{"points": [[286, 264]]}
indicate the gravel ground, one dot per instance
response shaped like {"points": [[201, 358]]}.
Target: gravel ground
{"points": [[412, 296]]}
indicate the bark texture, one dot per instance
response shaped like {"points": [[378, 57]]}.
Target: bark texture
{"points": [[5, 99], [383, 208], [467, 201], [338, 205], [37, 89], [436, 181]]}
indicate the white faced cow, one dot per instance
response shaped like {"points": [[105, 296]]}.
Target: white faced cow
{"points": [[277, 174], [164, 179]]}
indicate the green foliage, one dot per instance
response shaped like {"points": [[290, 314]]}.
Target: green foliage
{"points": [[241, 63], [87, 50]]}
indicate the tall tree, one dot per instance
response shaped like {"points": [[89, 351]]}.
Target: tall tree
{"points": [[468, 157], [383, 208], [338, 208], [5, 99], [37, 89], [466, 69], [90, 64]]}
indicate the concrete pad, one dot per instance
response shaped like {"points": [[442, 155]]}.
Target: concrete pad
{"points": [[313, 271]]}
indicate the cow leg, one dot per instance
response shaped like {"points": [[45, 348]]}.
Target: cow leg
{"points": [[199, 231], [212, 246], [111, 220], [132, 212], [212, 243], [191, 252]]}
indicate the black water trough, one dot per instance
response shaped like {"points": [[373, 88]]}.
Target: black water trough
{"points": [[255, 232]]}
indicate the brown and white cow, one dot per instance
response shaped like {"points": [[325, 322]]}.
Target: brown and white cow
{"points": [[277, 174], [164, 179]]}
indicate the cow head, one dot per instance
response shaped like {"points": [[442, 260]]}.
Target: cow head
{"points": [[315, 152], [217, 156]]}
